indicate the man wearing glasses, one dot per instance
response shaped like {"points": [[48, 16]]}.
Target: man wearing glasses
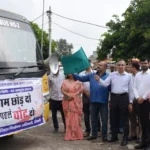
{"points": [[121, 99]]}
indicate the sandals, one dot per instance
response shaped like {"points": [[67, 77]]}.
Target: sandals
{"points": [[86, 134]]}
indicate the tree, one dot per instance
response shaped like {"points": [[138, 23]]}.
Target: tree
{"points": [[129, 37], [38, 33], [63, 48], [60, 47]]}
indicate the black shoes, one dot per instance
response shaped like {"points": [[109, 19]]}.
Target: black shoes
{"points": [[55, 131], [91, 138], [124, 142], [104, 139], [138, 141], [113, 140], [147, 147], [140, 146], [132, 138], [94, 138]]}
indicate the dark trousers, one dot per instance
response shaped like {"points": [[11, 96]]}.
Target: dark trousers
{"points": [[55, 106], [97, 108], [135, 121], [144, 113], [86, 111], [119, 109], [120, 126]]}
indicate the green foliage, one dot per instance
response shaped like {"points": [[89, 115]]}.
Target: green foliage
{"points": [[128, 37], [38, 33], [63, 48], [60, 47]]}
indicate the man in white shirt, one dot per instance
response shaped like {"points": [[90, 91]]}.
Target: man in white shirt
{"points": [[141, 92], [121, 99], [55, 83], [134, 115], [127, 68]]}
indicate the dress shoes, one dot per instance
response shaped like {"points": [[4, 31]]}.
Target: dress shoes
{"points": [[113, 140], [91, 138], [147, 148], [124, 142], [140, 146], [138, 141], [55, 130], [132, 138], [104, 139]]}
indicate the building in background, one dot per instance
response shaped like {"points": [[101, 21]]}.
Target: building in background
{"points": [[93, 57]]}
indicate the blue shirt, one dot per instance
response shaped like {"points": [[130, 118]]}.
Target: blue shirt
{"points": [[98, 93]]}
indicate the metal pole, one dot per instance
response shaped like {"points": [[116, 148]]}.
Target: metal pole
{"points": [[49, 13], [42, 29]]}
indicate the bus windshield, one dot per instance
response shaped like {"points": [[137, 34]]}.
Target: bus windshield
{"points": [[18, 45]]}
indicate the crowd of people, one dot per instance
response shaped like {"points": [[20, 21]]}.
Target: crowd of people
{"points": [[122, 97]]}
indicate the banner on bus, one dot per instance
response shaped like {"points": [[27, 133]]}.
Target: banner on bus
{"points": [[21, 105]]}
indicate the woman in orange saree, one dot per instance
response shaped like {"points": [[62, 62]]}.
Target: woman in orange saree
{"points": [[72, 106]]}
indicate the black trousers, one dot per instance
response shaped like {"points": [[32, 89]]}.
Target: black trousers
{"points": [[119, 121], [55, 106], [87, 112], [119, 109], [135, 120], [144, 113]]}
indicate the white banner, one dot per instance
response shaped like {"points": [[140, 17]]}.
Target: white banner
{"points": [[21, 103]]}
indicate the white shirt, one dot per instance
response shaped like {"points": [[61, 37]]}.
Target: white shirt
{"points": [[133, 80], [55, 83], [120, 83], [142, 85]]}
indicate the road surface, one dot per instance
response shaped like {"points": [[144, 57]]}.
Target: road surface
{"points": [[42, 138]]}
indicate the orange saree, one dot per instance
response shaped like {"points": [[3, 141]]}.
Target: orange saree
{"points": [[73, 110]]}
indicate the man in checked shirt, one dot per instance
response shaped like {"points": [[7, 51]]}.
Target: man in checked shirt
{"points": [[55, 82]]}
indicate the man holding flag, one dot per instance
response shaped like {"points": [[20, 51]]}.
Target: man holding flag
{"points": [[87, 105], [98, 94]]}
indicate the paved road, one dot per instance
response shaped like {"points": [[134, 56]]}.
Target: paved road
{"points": [[42, 138]]}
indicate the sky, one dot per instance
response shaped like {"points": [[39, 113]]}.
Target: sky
{"points": [[95, 11]]}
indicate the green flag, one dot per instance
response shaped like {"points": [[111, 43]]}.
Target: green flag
{"points": [[75, 63]]}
